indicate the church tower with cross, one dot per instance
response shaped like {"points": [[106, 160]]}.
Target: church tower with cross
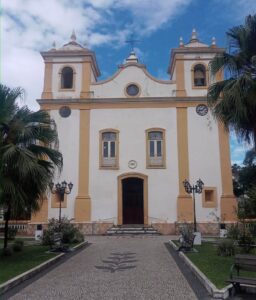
{"points": [[129, 141]]}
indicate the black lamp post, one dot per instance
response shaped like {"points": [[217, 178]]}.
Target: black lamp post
{"points": [[197, 188], [61, 189]]}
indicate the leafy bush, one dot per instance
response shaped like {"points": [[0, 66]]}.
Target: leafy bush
{"points": [[17, 246], [226, 248], [79, 237], [12, 233], [246, 242], [233, 231], [186, 231], [48, 238], [70, 234]]}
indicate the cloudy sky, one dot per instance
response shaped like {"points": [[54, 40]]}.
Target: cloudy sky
{"points": [[29, 26]]}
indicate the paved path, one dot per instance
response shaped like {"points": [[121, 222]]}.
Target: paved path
{"points": [[114, 268]]}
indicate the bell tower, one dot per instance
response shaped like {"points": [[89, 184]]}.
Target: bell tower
{"points": [[69, 71], [189, 66]]}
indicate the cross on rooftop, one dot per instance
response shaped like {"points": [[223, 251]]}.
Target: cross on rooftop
{"points": [[132, 41]]}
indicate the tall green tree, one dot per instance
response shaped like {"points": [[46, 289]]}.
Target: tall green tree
{"points": [[233, 100], [28, 156]]}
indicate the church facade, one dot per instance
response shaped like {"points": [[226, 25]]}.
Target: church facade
{"points": [[129, 142]]}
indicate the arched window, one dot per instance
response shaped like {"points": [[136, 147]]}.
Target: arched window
{"points": [[199, 75], [109, 149], [155, 148], [67, 78]]}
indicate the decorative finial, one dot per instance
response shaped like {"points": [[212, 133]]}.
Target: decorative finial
{"points": [[73, 36], [53, 45], [213, 42], [194, 35], [181, 42]]}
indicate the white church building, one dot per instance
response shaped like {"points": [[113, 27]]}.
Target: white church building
{"points": [[129, 141]]}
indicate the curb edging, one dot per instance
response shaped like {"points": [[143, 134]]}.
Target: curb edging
{"points": [[6, 286], [210, 287]]}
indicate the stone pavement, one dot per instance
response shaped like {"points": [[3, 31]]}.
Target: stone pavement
{"points": [[115, 268]]}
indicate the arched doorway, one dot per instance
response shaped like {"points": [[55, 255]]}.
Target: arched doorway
{"points": [[132, 199]]}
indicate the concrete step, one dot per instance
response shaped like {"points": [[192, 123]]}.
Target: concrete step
{"points": [[119, 230]]}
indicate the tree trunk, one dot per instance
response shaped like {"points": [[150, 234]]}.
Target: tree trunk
{"points": [[7, 218]]}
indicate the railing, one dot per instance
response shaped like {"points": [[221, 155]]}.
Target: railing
{"points": [[19, 225]]}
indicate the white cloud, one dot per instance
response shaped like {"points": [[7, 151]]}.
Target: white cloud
{"points": [[30, 26]]}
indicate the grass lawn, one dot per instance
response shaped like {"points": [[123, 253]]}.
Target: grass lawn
{"points": [[216, 268], [20, 262]]}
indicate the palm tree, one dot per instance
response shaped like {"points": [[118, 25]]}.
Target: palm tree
{"points": [[28, 155], [233, 100]]}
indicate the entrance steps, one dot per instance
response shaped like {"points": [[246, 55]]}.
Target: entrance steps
{"points": [[132, 230]]}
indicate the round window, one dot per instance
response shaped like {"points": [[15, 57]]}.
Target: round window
{"points": [[132, 90], [65, 111]]}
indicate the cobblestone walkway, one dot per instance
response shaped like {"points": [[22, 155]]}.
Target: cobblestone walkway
{"points": [[114, 268]]}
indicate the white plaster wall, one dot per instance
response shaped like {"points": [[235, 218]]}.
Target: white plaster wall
{"points": [[68, 132], [204, 158], [149, 88], [162, 183], [56, 84]]}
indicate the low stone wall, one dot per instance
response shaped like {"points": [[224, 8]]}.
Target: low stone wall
{"points": [[94, 227], [205, 228], [165, 228]]}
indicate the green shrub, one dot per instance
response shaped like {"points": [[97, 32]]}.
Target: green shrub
{"points": [[233, 231], [246, 242], [12, 233], [226, 248], [79, 237], [17, 245], [48, 238], [186, 231], [70, 234]]}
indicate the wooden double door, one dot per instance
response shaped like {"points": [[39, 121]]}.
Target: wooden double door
{"points": [[133, 200]]}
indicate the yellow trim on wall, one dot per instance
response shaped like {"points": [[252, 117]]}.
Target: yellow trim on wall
{"points": [[163, 165], [184, 201], [121, 104], [47, 90], [83, 200], [182, 143], [120, 195], [180, 76], [228, 203], [42, 215], [86, 80], [101, 166]]}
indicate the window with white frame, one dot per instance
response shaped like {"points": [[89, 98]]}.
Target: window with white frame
{"points": [[155, 148], [109, 149]]}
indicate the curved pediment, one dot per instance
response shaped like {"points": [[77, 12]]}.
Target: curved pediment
{"points": [[136, 74]]}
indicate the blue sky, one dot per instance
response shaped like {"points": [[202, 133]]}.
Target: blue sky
{"points": [[29, 26]]}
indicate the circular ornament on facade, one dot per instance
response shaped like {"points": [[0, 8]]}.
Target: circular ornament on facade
{"points": [[65, 111], [202, 109], [132, 90], [132, 164]]}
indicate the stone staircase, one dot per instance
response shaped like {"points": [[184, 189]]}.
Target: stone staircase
{"points": [[132, 230]]}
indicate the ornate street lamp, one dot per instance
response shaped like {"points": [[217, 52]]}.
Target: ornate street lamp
{"points": [[194, 189], [61, 189]]}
